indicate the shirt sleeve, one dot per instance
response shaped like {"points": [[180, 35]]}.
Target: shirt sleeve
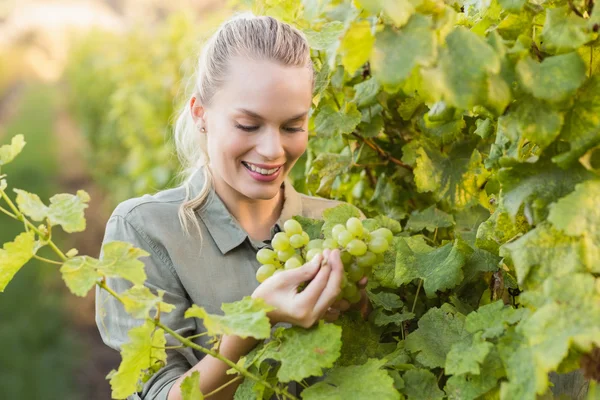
{"points": [[114, 323]]}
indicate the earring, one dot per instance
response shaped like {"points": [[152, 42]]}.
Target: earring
{"points": [[202, 129]]}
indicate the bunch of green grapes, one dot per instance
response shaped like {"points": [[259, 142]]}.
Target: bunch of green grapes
{"points": [[360, 250]]}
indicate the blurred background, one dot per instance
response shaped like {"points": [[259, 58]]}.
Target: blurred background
{"points": [[92, 85]]}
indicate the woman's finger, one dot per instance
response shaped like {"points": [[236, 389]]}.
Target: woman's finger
{"points": [[332, 289], [302, 274], [362, 283], [315, 288], [331, 315], [342, 305]]}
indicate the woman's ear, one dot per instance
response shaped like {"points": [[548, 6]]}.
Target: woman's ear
{"points": [[198, 113]]}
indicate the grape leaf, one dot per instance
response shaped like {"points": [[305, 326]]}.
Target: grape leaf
{"points": [[463, 69], [563, 31], [8, 152], [244, 318], [366, 92], [398, 11], [467, 357], [499, 229], [360, 340], [327, 38], [190, 387], [440, 269], [492, 318], [304, 352], [381, 318], [578, 214], [146, 346], [439, 329], [14, 255], [311, 226], [324, 170], [513, 6], [120, 259], [542, 252], [582, 122], [67, 210], [386, 300], [31, 205], [139, 301], [382, 221], [555, 79], [397, 52], [421, 384], [470, 387], [80, 274], [338, 215], [353, 383], [356, 45], [431, 218], [455, 178], [385, 272], [331, 122]]}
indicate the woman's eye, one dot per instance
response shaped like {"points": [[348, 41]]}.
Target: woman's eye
{"points": [[246, 128], [294, 129]]}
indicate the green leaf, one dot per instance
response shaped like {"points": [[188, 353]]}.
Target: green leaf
{"points": [[513, 6], [399, 11], [190, 387], [464, 67], [492, 319], [581, 129], [311, 226], [67, 210], [578, 215], [139, 301], [431, 218], [8, 152], [398, 52], [31, 205], [14, 255], [355, 382], [381, 318], [324, 170], [338, 215], [327, 38], [360, 340], [455, 178], [421, 384], [440, 269], [537, 185], [524, 380], [563, 31], [386, 300], [555, 79], [544, 252], [366, 92], [382, 221], [304, 352], [330, 122], [80, 274], [467, 357], [120, 259], [470, 387], [145, 347], [356, 46], [244, 318], [439, 330], [385, 272]]}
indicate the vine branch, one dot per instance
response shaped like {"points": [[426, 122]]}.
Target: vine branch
{"points": [[382, 153]]}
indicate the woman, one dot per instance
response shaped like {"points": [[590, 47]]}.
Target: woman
{"points": [[238, 137]]}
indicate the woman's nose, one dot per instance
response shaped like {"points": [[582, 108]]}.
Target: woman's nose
{"points": [[270, 145]]}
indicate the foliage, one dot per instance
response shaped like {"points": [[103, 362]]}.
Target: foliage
{"points": [[473, 126]]}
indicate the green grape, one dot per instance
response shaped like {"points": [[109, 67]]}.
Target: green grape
{"points": [[280, 241], [356, 247], [293, 263], [354, 272], [366, 236], [336, 230], [277, 271], [344, 281], [306, 238], [265, 271], [330, 244], [266, 256], [355, 297], [292, 227], [297, 241], [285, 255], [355, 227], [310, 254], [367, 260], [315, 244], [346, 257], [384, 233], [378, 245], [350, 290], [344, 238]]}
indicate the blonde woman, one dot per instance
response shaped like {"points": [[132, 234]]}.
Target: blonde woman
{"points": [[238, 137]]}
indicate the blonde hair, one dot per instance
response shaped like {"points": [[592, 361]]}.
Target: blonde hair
{"points": [[247, 35]]}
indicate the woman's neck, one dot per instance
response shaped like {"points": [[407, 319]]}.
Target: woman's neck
{"points": [[255, 216]]}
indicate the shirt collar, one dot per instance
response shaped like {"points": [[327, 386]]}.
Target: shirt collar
{"points": [[223, 227]]}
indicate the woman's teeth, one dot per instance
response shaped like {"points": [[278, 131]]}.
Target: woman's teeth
{"points": [[262, 171]]}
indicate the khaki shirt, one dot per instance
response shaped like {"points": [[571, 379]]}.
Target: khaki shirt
{"points": [[221, 270]]}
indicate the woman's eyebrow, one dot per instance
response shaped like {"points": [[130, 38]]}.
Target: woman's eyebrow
{"points": [[257, 116]]}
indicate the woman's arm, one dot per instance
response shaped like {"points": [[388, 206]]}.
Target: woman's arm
{"points": [[213, 371]]}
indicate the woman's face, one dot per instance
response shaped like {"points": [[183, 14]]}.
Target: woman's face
{"points": [[257, 126]]}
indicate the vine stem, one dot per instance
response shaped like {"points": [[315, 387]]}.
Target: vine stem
{"points": [[237, 378], [47, 260], [19, 216], [102, 284], [216, 355], [416, 295], [382, 153], [5, 211]]}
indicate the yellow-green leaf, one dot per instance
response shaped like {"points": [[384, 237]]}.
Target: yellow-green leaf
{"points": [[31, 205], [14, 255], [9, 151], [190, 387], [67, 210], [80, 274], [356, 46], [120, 259], [139, 301]]}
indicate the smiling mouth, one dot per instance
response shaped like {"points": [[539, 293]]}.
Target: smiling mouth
{"points": [[262, 171]]}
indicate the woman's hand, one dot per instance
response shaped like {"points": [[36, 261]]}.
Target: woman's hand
{"points": [[308, 306]]}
